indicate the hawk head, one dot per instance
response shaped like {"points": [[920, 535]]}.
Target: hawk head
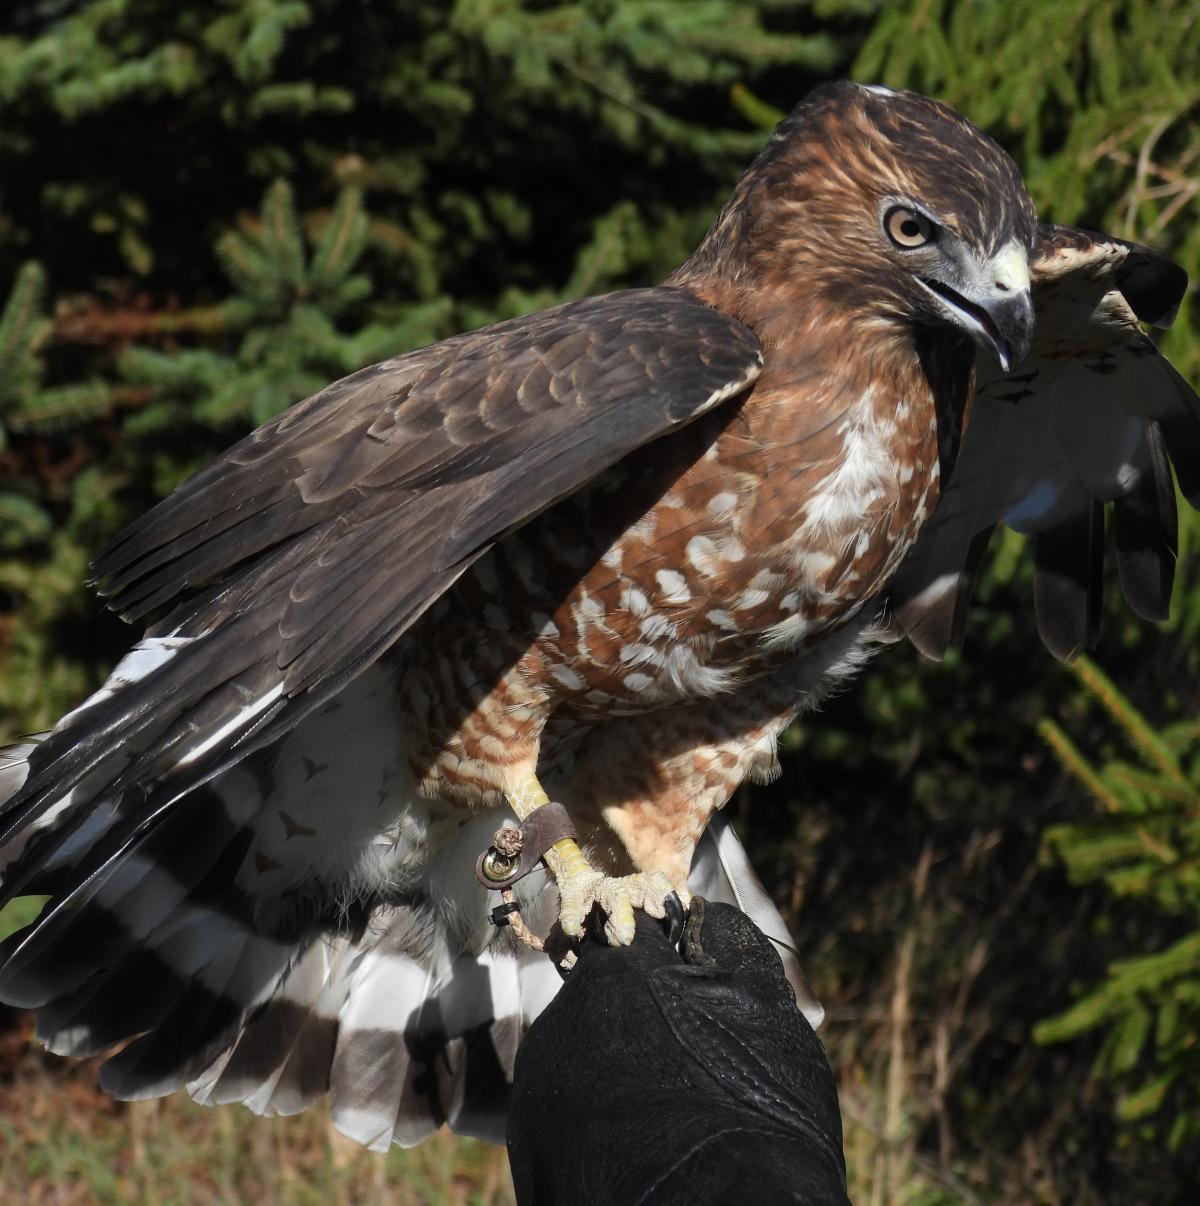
{"points": [[883, 207]]}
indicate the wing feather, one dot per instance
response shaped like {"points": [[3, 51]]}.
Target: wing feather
{"points": [[284, 568], [1095, 415], [1146, 535], [1067, 583]]}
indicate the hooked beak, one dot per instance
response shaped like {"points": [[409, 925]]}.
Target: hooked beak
{"points": [[993, 305]]}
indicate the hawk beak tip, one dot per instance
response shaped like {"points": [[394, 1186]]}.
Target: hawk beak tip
{"points": [[999, 321], [1011, 336]]}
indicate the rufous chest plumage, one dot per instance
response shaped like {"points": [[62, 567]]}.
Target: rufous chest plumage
{"points": [[701, 563], [753, 550]]}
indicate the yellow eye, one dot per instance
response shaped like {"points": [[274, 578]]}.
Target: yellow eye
{"points": [[907, 228]]}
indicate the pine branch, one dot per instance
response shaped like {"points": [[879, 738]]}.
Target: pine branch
{"points": [[1123, 712], [23, 331]]}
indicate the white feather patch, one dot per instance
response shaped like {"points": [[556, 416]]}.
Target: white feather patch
{"points": [[140, 662], [242, 719]]}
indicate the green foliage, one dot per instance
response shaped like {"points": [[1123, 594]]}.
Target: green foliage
{"points": [[23, 330], [18, 913], [1146, 849], [283, 318], [26, 405], [40, 563]]}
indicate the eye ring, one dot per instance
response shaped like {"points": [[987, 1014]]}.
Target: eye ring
{"points": [[907, 228]]}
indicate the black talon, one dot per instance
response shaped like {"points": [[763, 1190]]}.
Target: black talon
{"points": [[676, 916], [558, 947]]}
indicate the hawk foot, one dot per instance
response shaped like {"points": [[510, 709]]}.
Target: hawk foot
{"points": [[616, 898], [581, 887]]}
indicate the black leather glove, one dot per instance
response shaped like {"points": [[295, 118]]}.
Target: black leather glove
{"points": [[659, 1078]]}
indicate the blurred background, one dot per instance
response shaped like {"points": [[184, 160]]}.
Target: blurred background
{"points": [[210, 208]]}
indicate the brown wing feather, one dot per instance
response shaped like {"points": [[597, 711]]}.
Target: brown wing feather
{"points": [[508, 418], [291, 562], [1095, 415]]}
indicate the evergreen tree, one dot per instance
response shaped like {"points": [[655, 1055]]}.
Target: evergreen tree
{"points": [[1145, 847]]}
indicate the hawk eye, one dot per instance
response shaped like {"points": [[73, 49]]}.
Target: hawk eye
{"points": [[907, 228]]}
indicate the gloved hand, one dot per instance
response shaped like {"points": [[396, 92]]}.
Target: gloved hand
{"points": [[655, 1077]]}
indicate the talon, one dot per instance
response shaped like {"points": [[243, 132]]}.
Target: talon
{"points": [[580, 886], [676, 916], [617, 899]]}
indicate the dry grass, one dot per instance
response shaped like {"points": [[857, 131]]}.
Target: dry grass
{"points": [[901, 1052], [62, 1142]]}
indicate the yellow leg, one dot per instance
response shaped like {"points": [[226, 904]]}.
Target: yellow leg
{"points": [[564, 858], [580, 886]]}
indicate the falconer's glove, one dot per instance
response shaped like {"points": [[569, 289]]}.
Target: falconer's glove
{"points": [[663, 1076]]}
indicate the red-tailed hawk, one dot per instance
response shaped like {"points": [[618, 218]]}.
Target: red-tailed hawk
{"points": [[606, 552]]}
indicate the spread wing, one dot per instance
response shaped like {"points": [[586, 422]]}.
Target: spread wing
{"points": [[289, 564], [1095, 415]]}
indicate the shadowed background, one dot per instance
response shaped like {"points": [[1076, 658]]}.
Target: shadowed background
{"points": [[210, 208]]}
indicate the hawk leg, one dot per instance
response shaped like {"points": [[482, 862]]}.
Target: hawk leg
{"points": [[581, 886]]}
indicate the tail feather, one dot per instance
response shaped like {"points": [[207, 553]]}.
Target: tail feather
{"points": [[721, 871], [156, 1064], [373, 1071], [106, 1010], [393, 995], [265, 940], [278, 1063]]}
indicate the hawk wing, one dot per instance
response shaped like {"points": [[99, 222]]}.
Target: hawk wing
{"points": [[1095, 415], [287, 566]]}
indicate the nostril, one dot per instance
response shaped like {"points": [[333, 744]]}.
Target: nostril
{"points": [[1001, 287]]}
